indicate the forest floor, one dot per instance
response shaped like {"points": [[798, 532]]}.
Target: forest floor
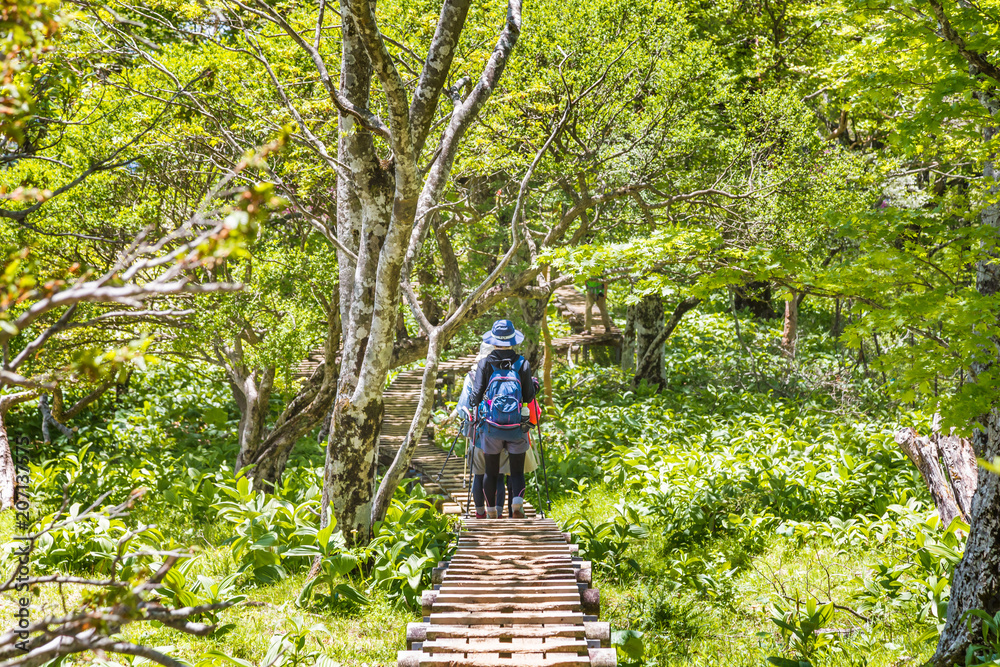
{"points": [[751, 510]]}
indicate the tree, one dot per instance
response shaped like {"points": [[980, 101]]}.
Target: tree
{"points": [[35, 312], [382, 210]]}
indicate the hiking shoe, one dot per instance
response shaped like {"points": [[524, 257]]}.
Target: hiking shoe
{"points": [[518, 510], [480, 515]]}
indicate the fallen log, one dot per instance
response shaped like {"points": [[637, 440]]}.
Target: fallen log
{"points": [[947, 463]]}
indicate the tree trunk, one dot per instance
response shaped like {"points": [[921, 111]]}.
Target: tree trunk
{"points": [[430, 306], [349, 474], [252, 391], [628, 342], [975, 583], [649, 326], [547, 361], [790, 332], [654, 354], [302, 414], [533, 312], [8, 473]]}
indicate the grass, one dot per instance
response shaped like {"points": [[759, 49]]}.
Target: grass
{"points": [[732, 625], [372, 636]]}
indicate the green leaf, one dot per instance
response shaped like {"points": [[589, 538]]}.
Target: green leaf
{"points": [[629, 642], [785, 662], [351, 594], [216, 416]]}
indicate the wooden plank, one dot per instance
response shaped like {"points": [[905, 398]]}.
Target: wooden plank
{"points": [[498, 571], [496, 632], [506, 558], [556, 617], [549, 645], [503, 587], [459, 597], [488, 660], [474, 584], [505, 607]]}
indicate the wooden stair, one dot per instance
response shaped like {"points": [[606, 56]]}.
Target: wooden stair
{"points": [[514, 593]]}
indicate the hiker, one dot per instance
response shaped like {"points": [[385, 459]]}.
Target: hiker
{"points": [[502, 390], [597, 293], [468, 429], [478, 458]]}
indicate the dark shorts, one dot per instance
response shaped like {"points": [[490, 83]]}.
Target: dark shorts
{"points": [[493, 440]]}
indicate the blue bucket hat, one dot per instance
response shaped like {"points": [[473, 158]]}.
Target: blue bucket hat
{"points": [[503, 334]]}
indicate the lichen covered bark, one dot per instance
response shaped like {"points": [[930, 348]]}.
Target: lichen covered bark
{"points": [[349, 478], [252, 391], [649, 324]]}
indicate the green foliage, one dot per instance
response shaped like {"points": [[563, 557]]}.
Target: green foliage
{"points": [[27, 30], [406, 546], [987, 653], [268, 529], [802, 631], [95, 544], [606, 543], [294, 647], [188, 590], [629, 643], [335, 562]]}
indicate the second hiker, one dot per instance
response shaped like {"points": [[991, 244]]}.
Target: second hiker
{"points": [[502, 390]]}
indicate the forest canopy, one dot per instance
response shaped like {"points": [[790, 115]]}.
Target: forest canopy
{"points": [[235, 233]]}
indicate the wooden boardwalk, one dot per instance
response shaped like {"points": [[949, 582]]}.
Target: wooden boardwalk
{"points": [[515, 593]]}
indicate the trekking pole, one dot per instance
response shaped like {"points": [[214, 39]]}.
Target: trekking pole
{"points": [[468, 463], [470, 443], [465, 462], [448, 458], [545, 474], [538, 488]]}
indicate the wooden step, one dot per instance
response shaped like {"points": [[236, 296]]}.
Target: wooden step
{"points": [[556, 617], [421, 659], [496, 632], [533, 645]]}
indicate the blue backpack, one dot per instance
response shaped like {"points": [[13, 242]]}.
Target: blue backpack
{"points": [[501, 405]]}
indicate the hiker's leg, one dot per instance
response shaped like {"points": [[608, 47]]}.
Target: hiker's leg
{"points": [[501, 488], [510, 496], [587, 317], [490, 482], [517, 484], [517, 475], [478, 469], [602, 305], [478, 497]]}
